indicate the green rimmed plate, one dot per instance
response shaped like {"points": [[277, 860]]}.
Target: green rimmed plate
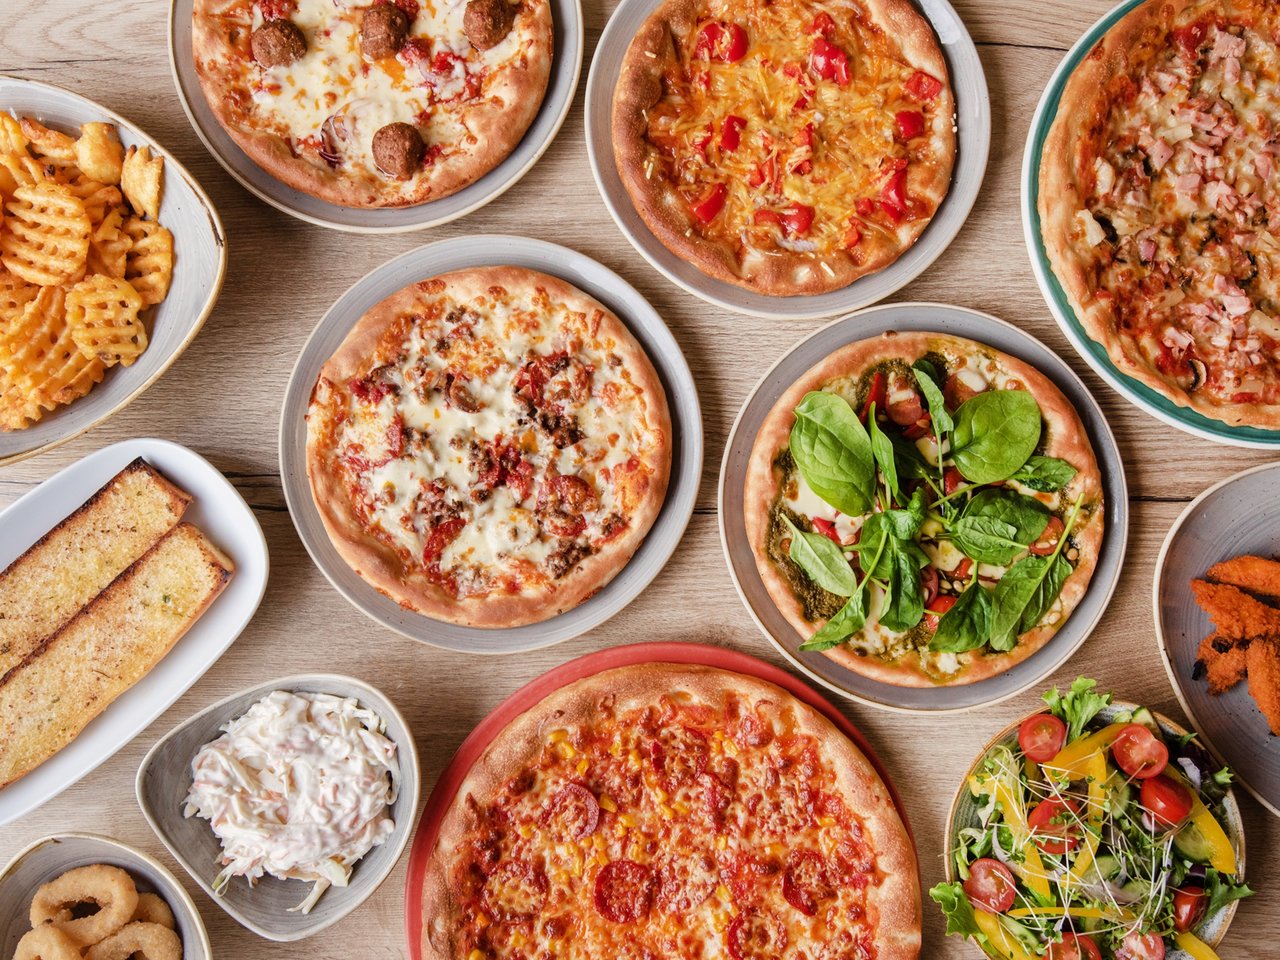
{"points": [[1094, 353]]}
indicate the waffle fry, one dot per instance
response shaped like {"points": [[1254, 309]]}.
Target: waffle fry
{"points": [[54, 148], [15, 294], [142, 180], [46, 234], [99, 153], [103, 315], [149, 265], [109, 247], [11, 137], [42, 362], [19, 170]]}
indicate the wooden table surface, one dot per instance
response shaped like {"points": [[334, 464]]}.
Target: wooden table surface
{"points": [[222, 399]]}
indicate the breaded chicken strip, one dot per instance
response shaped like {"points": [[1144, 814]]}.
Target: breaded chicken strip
{"points": [[1255, 574], [1264, 680], [1237, 615], [1222, 661]]}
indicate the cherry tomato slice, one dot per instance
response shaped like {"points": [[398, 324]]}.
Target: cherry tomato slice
{"points": [[1048, 541], [710, 204], [1188, 907], [1074, 946], [910, 124], [952, 480], [827, 528], [1042, 736], [962, 570], [1138, 753], [936, 607], [990, 885], [1052, 824], [1141, 946], [875, 394], [1168, 801]]}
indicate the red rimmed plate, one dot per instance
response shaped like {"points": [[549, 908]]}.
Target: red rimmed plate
{"points": [[540, 688]]}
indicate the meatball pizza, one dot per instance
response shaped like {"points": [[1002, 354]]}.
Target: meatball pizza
{"points": [[1160, 202], [489, 446], [377, 104], [668, 810], [787, 146]]}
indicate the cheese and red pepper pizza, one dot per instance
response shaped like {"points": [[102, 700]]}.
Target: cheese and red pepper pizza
{"points": [[488, 447], [1160, 205], [790, 146], [377, 104], [668, 810]]}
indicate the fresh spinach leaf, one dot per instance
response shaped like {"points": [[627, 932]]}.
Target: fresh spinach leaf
{"points": [[995, 433], [911, 464], [904, 604], [906, 523], [967, 625], [1027, 515], [848, 620], [1047, 474], [1046, 592], [986, 539], [882, 450], [942, 422], [929, 369], [1012, 594], [822, 561], [832, 451]]}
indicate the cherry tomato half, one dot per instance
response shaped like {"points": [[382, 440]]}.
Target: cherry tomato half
{"points": [[1139, 753], [936, 607], [1141, 946], [1048, 541], [1042, 736], [1074, 946], [1168, 801], [1053, 825], [952, 480], [990, 885], [1188, 907]]}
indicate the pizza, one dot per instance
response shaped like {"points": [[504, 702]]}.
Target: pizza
{"points": [[1160, 206], [785, 146], [379, 104], [924, 509], [488, 447], [669, 810]]}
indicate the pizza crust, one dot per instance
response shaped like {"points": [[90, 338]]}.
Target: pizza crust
{"points": [[895, 907], [1067, 439], [777, 272], [377, 563]]}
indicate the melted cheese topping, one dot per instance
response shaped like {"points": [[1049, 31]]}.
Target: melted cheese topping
{"points": [[1183, 210]]}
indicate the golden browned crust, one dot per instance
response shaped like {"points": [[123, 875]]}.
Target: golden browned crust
{"points": [[1066, 438], [653, 52], [893, 906], [1123, 51], [378, 564], [495, 124]]}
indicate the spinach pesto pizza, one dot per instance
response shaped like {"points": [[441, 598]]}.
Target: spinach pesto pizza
{"points": [[924, 509]]}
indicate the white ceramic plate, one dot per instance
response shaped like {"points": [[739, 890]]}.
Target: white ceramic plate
{"points": [[592, 278], [1238, 515], [200, 261], [566, 67], [218, 510], [959, 322], [53, 856], [973, 118], [165, 778]]}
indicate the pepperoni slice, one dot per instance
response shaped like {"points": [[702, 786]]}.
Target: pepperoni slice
{"points": [[684, 881], [679, 754], [743, 875], [516, 890], [754, 935], [752, 731], [805, 882], [624, 890], [572, 812]]}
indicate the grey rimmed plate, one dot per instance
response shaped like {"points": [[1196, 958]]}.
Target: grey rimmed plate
{"points": [[566, 67], [1238, 515], [590, 277], [199, 264], [973, 119], [50, 857], [959, 322], [165, 777]]}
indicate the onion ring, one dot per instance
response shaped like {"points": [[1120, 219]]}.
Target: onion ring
{"points": [[46, 942], [153, 909], [148, 940], [111, 888]]}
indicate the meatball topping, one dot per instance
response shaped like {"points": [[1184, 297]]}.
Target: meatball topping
{"points": [[398, 150], [487, 22], [383, 28], [277, 43]]}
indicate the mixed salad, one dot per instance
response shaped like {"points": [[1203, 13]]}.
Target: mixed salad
{"points": [[1095, 840]]}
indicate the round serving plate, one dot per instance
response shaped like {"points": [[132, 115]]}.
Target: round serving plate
{"points": [[973, 120], [1093, 352], [1238, 515], [566, 67], [536, 691], [958, 322], [590, 277], [965, 807], [199, 264]]}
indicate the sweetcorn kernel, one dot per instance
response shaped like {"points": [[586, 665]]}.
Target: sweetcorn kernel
{"points": [[582, 765], [606, 803], [476, 955], [525, 830]]}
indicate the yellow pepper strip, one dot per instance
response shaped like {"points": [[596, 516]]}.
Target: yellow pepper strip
{"points": [[1031, 870], [1072, 757], [1001, 940], [1096, 771], [1194, 947], [1222, 856], [1094, 913]]}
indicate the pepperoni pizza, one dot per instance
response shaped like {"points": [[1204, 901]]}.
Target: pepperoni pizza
{"points": [[789, 146], [668, 810]]}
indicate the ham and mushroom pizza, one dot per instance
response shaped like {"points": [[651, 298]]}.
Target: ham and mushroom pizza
{"points": [[787, 146], [1159, 203], [669, 810], [379, 104], [488, 447]]}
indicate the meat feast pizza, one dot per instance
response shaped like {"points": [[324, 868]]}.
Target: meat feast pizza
{"points": [[488, 447], [1160, 205], [378, 104], [667, 810], [787, 146], [924, 508]]}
